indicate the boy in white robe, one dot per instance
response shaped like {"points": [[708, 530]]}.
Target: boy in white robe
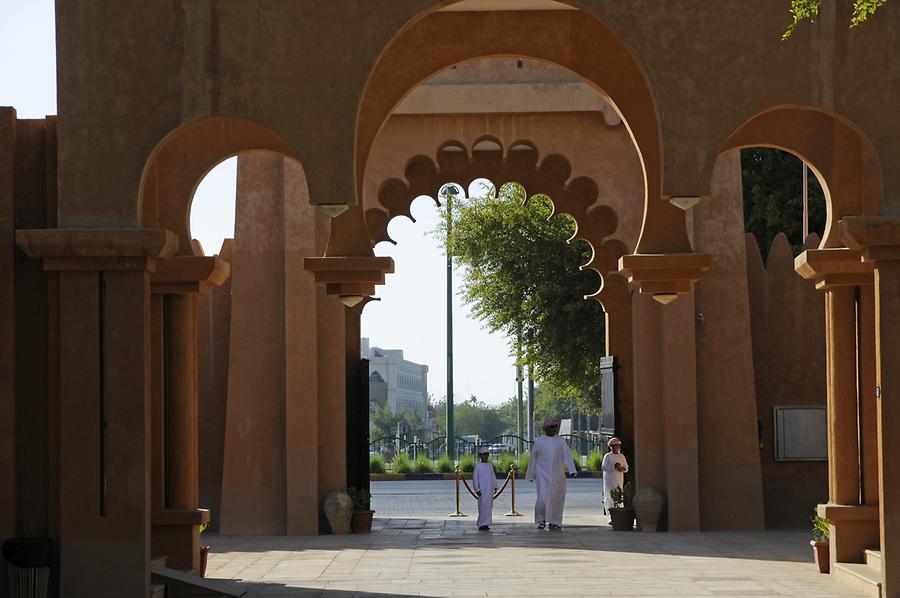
{"points": [[484, 482], [549, 457], [613, 467]]}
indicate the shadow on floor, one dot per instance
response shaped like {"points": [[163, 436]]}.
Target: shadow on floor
{"points": [[424, 534]]}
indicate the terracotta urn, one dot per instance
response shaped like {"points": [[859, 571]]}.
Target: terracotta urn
{"points": [[338, 508], [648, 506]]}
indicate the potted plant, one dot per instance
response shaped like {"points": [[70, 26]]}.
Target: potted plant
{"points": [[819, 543], [361, 522], [621, 515], [204, 551]]}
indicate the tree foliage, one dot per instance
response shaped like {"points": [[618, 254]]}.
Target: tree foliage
{"points": [[773, 197], [474, 417], [803, 10], [523, 278], [385, 422]]}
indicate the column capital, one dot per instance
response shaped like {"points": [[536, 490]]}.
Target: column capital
{"points": [[834, 267], [98, 249], [349, 278], [185, 274], [877, 237], [665, 275]]}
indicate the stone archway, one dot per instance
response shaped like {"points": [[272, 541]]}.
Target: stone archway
{"points": [[846, 165], [521, 162]]}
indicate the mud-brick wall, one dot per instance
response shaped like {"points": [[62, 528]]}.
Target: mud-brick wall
{"points": [[788, 327]]}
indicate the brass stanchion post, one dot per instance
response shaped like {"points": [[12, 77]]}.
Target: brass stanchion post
{"points": [[512, 472], [458, 513]]}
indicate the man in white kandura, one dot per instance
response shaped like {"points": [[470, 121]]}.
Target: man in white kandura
{"points": [[614, 467], [484, 481], [548, 457]]}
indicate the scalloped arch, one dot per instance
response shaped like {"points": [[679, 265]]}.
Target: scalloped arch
{"points": [[578, 197]]}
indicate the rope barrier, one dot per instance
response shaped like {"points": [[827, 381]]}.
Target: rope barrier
{"points": [[458, 513], [466, 484], [503, 487], [510, 477]]}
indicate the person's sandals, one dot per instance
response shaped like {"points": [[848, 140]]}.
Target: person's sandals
{"points": [[555, 528], [541, 525]]}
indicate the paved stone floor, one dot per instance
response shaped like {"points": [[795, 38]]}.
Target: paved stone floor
{"points": [[438, 556]]}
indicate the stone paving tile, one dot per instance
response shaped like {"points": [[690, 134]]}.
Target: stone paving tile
{"points": [[451, 558], [417, 550]]}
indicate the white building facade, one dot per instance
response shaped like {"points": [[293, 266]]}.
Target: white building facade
{"points": [[400, 383]]}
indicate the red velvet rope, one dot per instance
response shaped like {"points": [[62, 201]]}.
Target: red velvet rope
{"points": [[503, 487]]}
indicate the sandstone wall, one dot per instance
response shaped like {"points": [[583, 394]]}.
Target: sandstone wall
{"points": [[788, 331]]}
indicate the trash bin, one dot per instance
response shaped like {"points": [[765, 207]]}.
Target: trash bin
{"points": [[29, 566]]}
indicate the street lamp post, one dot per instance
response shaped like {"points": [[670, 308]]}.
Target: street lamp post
{"points": [[449, 192]]}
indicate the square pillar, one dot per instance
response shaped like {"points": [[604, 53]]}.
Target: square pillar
{"points": [[879, 240], [176, 515], [887, 322], [104, 386], [847, 282]]}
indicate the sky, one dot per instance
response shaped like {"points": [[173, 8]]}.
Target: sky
{"points": [[411, 313]]}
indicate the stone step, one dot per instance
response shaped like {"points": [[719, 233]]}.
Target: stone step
{"points": [[873, 559], [864, 578], [180, 584], [158, 591]]}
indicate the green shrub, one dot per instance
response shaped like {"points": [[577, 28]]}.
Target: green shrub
{"points": [[445, 464], [360, 497], [576, 458], [503, 465], [820, 529], [402, 464], [423, 464], [467, 463], [523, 462], [376, 464], [595, 461]]}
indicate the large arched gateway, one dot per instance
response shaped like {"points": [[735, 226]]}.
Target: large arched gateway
{"points": [[99, 274]]}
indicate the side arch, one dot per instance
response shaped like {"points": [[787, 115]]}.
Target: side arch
{"points": [[181, 160], [841, 157]]}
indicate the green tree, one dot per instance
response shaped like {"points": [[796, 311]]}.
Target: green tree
{"points": [[803, 10], [385, 422], [472, 417], [524, 279], [773, 197]]}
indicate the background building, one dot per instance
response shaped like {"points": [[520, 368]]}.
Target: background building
{"points": [[397, 382]]}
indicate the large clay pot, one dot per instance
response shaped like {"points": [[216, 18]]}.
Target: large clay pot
{"points": [[648, 506], [338, 508], [822, 556]]}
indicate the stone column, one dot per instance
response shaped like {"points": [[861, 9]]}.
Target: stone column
{"points": [[879, 240], [887, 309], [845, 279], [104, 375], [665, 379], [843, 473], [679, 413], [176, 513]]}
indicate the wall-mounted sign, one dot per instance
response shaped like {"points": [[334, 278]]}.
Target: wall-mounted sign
{"points": [[801, 433]]}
